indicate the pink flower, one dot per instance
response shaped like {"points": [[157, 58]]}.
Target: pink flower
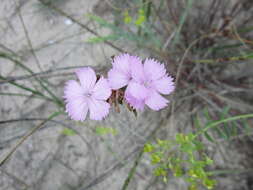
{"points": [[120, 75], [149, 80], [87, 95]]}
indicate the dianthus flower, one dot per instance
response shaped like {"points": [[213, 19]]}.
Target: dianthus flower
{"points": [[120, 75], [144, 82], [88, 95], [149, 81]]}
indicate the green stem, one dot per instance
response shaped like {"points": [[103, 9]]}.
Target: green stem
{"points": [[214, 124], [9, 57], [132, 171], [25, 95], [28, 89], [237, 58]]}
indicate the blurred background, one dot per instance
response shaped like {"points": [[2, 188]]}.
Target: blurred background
{"points": [[206, 45]]}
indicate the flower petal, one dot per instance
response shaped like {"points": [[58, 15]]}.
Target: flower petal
{"points": [[165, 85], [87, 78], [102, 90], [155, 101], [153, 69], [137, 72], [135, 103], [72, 90], [77, 108], [98, 109], [123, 62], [117, 79], [137, 90]]}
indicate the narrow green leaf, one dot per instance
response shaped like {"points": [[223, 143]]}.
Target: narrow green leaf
{"points": [[103, 22], [197, 122], [103, 38], [209, 137], [41, 82], [182, 20], [105, 131], [68, 132], [234, 129], [247, 128], [220, 132], [225, 128], [230, 119], [245, 30], [206, 113], [24, 87]]}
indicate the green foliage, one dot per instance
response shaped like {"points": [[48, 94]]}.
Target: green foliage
{"points": [[127, 18], [40, 82], [141, 17], [182, 20], [148, 147], [102, 39], [225, 127], [105, 131], [102, 22], [180, 157], [68, 132], [116, 32], [132, 26]]}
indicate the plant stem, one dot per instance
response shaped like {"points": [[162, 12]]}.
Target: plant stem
{"points": [[132, 171], [214, 124]]}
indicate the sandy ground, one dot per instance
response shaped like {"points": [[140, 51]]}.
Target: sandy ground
{"points": [[50, 160]]}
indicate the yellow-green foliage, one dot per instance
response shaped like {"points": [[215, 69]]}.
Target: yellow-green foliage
{"points": [[180, 157], [68, 132], [141, 17], [105, 130], [127, 18]]}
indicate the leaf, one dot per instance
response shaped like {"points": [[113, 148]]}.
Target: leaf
{"points": [[248, 129], [224, 131], [103, 22], [197, 122], [187, 147], [234, 129], [179, 138], [245, 30], [117, 32], [229, 119], [68, 132], [103, 38], [148, 147], [105, 131], [206, 113], [220, 132], [127, 18], [198, 145], [141, 17]]}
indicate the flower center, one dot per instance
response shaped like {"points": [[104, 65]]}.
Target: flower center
{"points": [[146, 84], [88, 94]]}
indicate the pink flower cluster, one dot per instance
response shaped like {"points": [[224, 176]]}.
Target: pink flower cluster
{"points": [[143, 84]]}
